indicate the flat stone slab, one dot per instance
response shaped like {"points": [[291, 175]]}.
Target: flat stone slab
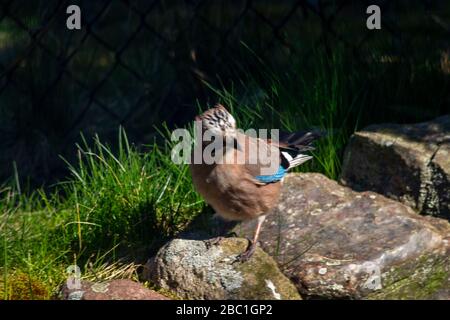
{"points": [[120, 289], [408, 163], [337, 243], [201, 270]]}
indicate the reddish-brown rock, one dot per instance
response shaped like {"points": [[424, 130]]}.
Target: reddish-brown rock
{"points": [[121, 289], [338, 243]]}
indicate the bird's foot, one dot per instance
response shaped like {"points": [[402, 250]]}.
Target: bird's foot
{"points": [[213, 242], [247, 254]]}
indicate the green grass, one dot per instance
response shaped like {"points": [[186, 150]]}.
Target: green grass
{"points": [[114, 211], [332, 92], [293, 102]]}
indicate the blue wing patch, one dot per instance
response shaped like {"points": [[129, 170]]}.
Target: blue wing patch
{"points": [[273, 177]]}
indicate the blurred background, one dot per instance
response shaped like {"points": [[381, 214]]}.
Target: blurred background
{"points": [[145, 65]]}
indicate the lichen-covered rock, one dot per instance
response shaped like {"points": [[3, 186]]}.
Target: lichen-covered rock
{"points": [[120, 289], [196, 269], [409, 163], [337, 243]]}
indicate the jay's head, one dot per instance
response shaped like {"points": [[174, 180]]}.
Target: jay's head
{"points": [[219, 121]]}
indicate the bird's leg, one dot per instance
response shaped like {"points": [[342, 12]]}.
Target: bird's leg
{"points": [[252, 246]]}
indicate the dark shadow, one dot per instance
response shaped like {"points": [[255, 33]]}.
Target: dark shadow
{"points": [[207, 225]]}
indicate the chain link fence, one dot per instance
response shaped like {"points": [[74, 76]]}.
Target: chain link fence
{"points": [[141, 63]]}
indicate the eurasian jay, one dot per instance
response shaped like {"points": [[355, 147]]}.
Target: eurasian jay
{"points": [[249, 189]]}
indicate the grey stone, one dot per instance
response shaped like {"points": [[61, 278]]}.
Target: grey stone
{"points": [[408, 163], [198, 269]]}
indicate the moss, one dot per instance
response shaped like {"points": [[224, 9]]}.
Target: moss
{"points": [[21, 286], [267, 270], [258, 269], [419, 280]]}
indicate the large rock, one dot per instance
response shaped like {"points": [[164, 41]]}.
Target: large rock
{"points": [[195, 269], [337, 243], [409, 163], [120, 289]]}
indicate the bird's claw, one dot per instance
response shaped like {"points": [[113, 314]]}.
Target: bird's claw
{"points": [[247, 254]]}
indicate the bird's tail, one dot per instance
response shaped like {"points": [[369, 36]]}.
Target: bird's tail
{"points": [[293, 145]]}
